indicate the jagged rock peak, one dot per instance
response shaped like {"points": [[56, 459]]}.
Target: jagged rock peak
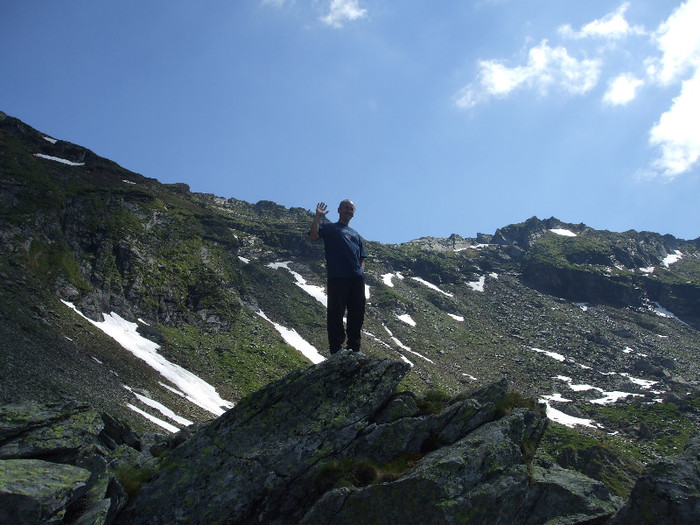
{"points": [[525, 233]]}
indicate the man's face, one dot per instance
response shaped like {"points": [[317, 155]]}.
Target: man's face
{"points": [[346, 211]]}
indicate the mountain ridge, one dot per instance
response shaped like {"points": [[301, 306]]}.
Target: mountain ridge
{"points": [[599, 326]]}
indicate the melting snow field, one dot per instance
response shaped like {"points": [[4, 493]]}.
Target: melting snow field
{"points": [[293, 339], [193, 388], [561, 417], [317, 292], [605, 399], [672, 258]]}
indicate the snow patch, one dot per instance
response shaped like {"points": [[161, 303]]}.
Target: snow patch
{"points": [[662, 312], [478, 286], [553, 355], [565, 419], [672, 258], [388, 278], [293, 339], [643, 383], [317, 292], [124, 332], [159, 407], [563, 232], [407, 319], [153, 419], [611, 397], [58, 159], [404, 347], [431, 286]]}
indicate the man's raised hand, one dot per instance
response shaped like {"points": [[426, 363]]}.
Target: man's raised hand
{"points": [[321, 209]]}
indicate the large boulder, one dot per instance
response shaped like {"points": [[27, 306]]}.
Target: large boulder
{"points": [[667, 492], [486, 477], [36, 491], [58, 461], [253, 462], [315, 447]]}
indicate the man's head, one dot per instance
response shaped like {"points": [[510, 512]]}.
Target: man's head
{"points": [[346, 210]]}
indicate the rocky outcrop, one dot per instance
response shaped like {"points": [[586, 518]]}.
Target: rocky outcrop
{"points": [[58, 464], [668, 491], [333, 443], [336, 443]]}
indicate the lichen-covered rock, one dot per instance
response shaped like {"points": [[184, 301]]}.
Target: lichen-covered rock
{"points": [[668, 491], [279, 455], [57, 462], [35, 491], [251, 463], [483, 478]]}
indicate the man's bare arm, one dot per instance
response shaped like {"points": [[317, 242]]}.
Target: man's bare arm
{"points": [[321, 211]]}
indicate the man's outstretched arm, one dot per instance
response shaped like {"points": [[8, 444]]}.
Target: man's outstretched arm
{"points": [[321, 211]]}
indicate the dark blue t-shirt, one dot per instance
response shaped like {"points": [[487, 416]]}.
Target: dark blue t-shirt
{"points": [[344, 249]]}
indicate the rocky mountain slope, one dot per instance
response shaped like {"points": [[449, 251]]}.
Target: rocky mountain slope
{"points": [[163, 307], [331, 443]]}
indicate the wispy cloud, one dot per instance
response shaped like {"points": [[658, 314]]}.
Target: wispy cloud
{"points": [[611, 26], [547, 67], [341, 11]]}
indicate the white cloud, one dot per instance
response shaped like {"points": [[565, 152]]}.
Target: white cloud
{"points": [[677, 133], [622, 89], [612, 26], [341, 11], [679, 41], [546, 67]]}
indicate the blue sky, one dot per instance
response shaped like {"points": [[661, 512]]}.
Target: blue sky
{"points": [[434, 117]]}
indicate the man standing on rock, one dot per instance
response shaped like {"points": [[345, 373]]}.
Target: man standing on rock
{"points": [[345, 263]]}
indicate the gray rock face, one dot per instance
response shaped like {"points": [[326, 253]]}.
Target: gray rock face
{"points": [[483, 478], [35, 491], [668, 491], [281, 454], [57, 464]]}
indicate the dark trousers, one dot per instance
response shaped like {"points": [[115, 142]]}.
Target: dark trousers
{"points": [[345, 294]]}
